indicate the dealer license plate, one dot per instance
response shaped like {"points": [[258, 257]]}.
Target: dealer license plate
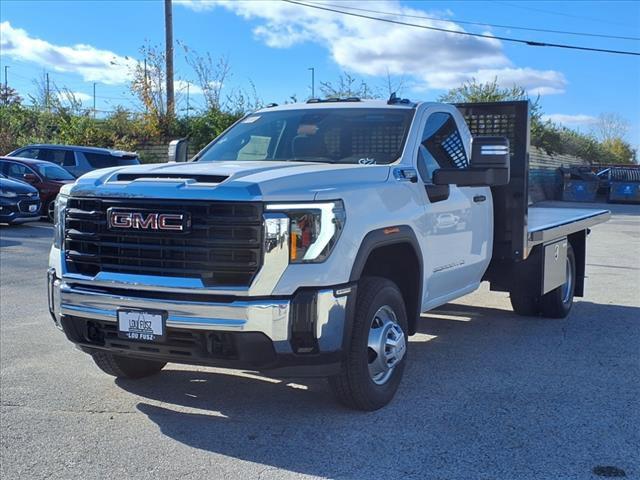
{"points": [[141, 325], [33, 208]]}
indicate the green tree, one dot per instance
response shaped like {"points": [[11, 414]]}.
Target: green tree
{"points": [[9, 96], [543, 133], [619, 150]]}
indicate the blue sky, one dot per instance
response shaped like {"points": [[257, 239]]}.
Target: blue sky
{"points": [[273, 43]]}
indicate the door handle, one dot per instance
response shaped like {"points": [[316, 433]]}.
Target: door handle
{"points": [[479, 198]]}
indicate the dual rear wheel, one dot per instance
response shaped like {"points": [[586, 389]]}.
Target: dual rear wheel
{"points": [[555, 304]]}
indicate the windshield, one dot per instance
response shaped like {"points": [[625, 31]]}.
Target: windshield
{"points": [[337, 135], [53, 172]]}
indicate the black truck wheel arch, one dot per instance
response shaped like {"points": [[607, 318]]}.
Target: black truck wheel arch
{"points": [[397, 238]]}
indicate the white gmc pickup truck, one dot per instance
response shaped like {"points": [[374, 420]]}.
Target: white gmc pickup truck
{"points": [[306, 240]]}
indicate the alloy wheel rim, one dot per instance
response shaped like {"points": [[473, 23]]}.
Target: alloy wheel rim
{"points": [[386, 345]]}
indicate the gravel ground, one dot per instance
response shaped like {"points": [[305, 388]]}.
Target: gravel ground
{"points": [[486, 395]]}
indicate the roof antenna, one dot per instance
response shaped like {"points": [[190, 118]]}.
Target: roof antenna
{"points": [[393, 98]]}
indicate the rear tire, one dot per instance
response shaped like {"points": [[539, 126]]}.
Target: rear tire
{"points": [[525, 305], [558, 302], [376, 356], [125, 367], [555, 304]]}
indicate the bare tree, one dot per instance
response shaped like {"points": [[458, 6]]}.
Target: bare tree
{"points": [[67, 100], [211, 74], [41, 95], [241, 101], [148, 84], [60, 100], [394, 84], [348, 86], [610, 126], [148, 80]]}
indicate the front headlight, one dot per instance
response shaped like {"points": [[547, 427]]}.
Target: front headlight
{"points": [[58, 219], [7, 193], [314, 229]]}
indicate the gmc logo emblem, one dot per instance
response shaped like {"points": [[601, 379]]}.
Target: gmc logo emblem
{"points": [[152, 221]]}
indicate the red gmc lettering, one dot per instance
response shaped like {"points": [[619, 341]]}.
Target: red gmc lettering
{"points": [[120, 220], [170, 221], [150, 221], [139, 221]]}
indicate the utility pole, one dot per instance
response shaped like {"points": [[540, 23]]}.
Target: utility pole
{"points": [[313, 82], [168, 28], [94, 99], [187, 103], [47, 91], [6, 83]]}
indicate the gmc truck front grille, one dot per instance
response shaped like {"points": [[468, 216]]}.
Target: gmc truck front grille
{"points": [[222, 245]]}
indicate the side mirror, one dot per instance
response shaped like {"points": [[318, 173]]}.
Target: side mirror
{"points": [[178, 150], [489, 165], [30, 178]]}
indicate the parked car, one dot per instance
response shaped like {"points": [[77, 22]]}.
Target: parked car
{"points": [[19, 201], [46, 177], [78, 160]]}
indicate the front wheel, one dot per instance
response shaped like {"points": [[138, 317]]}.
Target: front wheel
{"points": [[376, 356], [50, 209]]}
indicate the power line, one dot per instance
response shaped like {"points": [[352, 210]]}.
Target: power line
{"points": [[466, 22], [562, 14], [531, 43]]}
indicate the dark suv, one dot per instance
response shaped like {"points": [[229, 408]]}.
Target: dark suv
{"points": [[77, 160]]}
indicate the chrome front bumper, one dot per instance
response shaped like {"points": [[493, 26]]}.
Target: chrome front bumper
{"points": [[271, 316]]}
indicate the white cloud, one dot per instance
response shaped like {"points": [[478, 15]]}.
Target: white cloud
{"points": [[93, 64], [536, 82], [571, 120], [81, 96], [181, 86], [434, 60]]}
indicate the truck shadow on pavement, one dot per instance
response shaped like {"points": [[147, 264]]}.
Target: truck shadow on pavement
{"points": [[486, 394]]}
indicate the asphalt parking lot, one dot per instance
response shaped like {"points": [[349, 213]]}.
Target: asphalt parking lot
{"points": [[486, 395]]}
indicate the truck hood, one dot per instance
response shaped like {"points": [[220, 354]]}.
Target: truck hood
{"points": [[231, 180]]}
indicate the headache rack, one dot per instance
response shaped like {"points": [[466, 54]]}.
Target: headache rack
{"points": [[510, 202], [525, 236]]}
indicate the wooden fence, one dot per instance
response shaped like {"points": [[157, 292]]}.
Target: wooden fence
{"points": [[545, 182], [155, 153]]}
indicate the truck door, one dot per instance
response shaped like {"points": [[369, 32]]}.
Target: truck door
{"points": [[456, 228]]}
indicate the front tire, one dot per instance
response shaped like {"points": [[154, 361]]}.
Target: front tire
{"points": [[125, 367], [376, 356], [49, 211]]}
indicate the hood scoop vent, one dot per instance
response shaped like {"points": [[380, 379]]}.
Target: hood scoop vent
{"points": [[130, 177]]}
